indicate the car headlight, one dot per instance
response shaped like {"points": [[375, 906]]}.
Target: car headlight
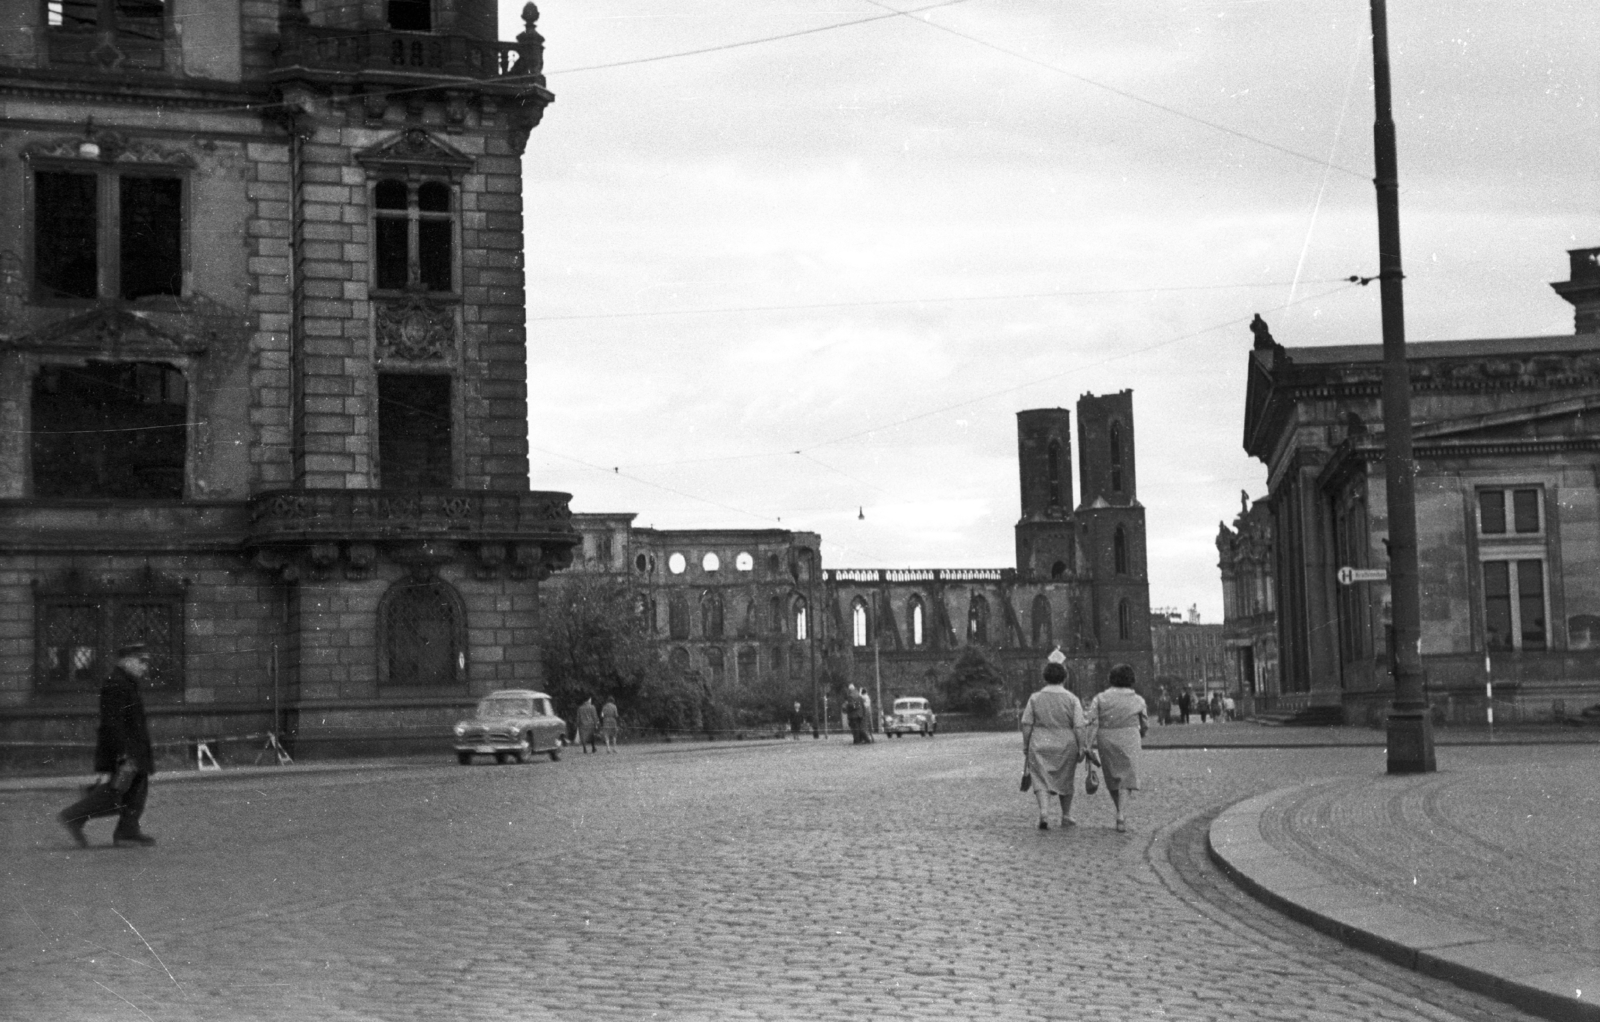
{"points": [[461, 729]]}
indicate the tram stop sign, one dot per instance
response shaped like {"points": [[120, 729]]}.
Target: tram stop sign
{"points": [[1348, 575]]}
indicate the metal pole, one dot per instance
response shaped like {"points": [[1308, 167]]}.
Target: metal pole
{"points": [[877, 678], [1410, 730]]}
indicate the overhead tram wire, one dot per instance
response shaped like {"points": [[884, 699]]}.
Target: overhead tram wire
{"points": [[878, 302], [1125, 94]]}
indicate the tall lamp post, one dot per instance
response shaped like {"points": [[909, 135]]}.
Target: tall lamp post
{"points": [[1410, 731]]}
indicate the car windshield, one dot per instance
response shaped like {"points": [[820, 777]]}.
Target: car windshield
{"points": [[910, 704], [505, 706]]}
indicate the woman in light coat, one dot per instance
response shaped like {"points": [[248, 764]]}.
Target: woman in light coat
{"points": [[1117, 721], [1052, 742]]}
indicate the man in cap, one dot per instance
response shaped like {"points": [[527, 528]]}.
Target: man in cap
{"points": [[122, 751]]}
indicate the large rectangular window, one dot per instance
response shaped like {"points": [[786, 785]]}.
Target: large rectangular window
{"points": [[413, 236], [414, 420], [109, 430], [78, 31], [103, 235], [77, 636], [1512, 538]]}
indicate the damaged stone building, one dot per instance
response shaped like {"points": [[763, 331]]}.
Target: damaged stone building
{"points": [[1506, 439], [757, 608], [263, 399]]}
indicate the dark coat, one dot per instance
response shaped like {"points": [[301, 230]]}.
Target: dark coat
{"points": [[123, 728]]}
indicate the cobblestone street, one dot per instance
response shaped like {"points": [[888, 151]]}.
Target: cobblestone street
{"points": [[689, 881]]}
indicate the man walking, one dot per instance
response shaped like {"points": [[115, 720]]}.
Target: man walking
{"points": [[588, 723], [123, 752], [796, 721]]}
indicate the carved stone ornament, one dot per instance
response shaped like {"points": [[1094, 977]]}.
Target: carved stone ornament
{"points": [[415, 150], [113, 333], [415, 330], [108, 147]]}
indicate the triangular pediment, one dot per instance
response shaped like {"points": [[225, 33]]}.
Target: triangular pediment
{"points": [[112, 333], [415, 149]]}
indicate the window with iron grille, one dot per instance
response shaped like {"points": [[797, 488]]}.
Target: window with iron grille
{"points": [[77, 636], [413, 236], [1512, 545], [422, 632], [104, 234]]}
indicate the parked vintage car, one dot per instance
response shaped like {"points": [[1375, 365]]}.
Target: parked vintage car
{"points": [[512, 722], [911, 715]]}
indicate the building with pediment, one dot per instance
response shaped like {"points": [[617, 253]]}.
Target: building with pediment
{"points": [[263, 380], [1506, 434]]}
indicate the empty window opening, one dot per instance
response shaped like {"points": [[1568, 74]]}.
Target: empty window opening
{"points": [[1124, 621], [79, 225], [1053, 470], [109, 431], [678, 617], [413, 232], [1116, 457], [978, 621], [916, 621], [414, 420], [858, 622], [411, 15], [1058, 569], [711, 615], [135, 28], [1119, 550], [1043, 633], [711, 563], [800, 622]]}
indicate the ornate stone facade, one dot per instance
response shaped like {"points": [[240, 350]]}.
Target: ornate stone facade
{"points": [[263, 395], [1507, 449]]}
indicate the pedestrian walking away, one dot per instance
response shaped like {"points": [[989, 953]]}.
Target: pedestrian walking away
{"points": [[1052, 742], [609, 722], [1163, 705], [588, 723], [1117, 722], [123, 753], [855, 714], [1185, 705], [797, 720]]}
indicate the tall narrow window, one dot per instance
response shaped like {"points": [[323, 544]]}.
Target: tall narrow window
{"points": [[978, 620], [711, 614], [77, 635], [801, 622], [414, 425], [1053, 470], [1512, 537], [109, 431], [858, 622], [677, 616], [101, 235], [76, 31], [1116, 457], [1124, 621], [916, 615], [1043, 632], [413, 236], [1119, 550]]}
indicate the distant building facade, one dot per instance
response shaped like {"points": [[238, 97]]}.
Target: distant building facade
{"points": [[759, 607], [1247, 560], [263, 398], [1507, 446], [1188, 654]]}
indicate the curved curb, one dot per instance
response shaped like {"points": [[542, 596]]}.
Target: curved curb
{"points": [[1537, 981]]}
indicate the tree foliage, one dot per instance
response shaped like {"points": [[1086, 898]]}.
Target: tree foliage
{"points": [[594, 643], [975, 684]]}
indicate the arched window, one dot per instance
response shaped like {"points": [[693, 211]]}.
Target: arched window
{"points": [[422, 631], [678, 617], [714, 662], [775, 615], [1053, 470], [1058, 569], [915, 613], [711, 614], [678, 660], [1043, 633], [1124, 620], [647, 612], [777, 661], [745, 665], [800, 620], [978, 620], [858, 622], [1116, 457], [1119, 550]]}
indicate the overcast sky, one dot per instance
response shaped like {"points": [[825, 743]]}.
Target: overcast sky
{"points": [[931, 222]]}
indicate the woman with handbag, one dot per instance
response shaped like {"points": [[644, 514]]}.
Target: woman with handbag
{"points": [[1117, 721], [1052, 731]]}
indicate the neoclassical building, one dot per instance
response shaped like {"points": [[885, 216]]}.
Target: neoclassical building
{"points": [[1247, 560], [1507, 448], [263, 399]]}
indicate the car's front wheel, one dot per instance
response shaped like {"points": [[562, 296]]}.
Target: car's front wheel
{"points": [[464, 758], [555, 755], [501, 757]]}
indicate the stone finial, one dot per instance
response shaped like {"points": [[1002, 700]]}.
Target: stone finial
{"points": [[530, 46]]}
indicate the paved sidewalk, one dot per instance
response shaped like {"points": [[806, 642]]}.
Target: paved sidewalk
{"points": [[1483, 875]]}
